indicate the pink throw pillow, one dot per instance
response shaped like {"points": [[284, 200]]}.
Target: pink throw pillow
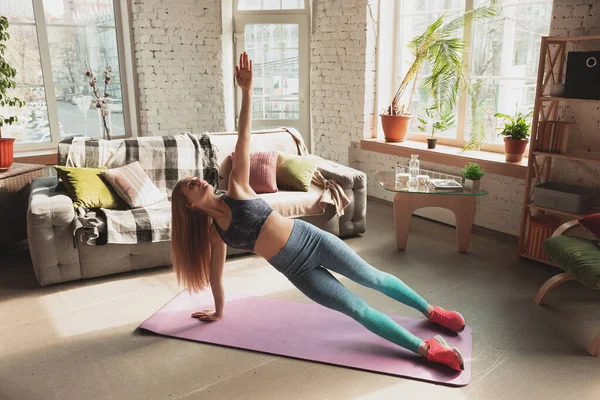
{"points": [[592, 224], [263, 171]]}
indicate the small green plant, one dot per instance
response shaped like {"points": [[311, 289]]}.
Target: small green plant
{"points": [[7, 75], [516, 127], [472, 171], [444, 122]]}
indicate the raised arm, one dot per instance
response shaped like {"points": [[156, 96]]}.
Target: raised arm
{"points": [[240, 173]]}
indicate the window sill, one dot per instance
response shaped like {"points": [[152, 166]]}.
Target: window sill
{"points": [[42, 157], [493, 163]]}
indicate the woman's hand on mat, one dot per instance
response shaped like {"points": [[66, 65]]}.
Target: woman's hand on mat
{"points": [[243, 72], [206, 316]]}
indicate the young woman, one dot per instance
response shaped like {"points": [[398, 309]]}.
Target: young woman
{"points": [[204, 224]]}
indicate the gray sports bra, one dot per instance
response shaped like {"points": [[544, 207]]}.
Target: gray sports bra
{"points": [[247, 218]]}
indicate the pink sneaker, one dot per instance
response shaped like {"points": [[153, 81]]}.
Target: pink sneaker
{"points": [[438, 351], [448, 319]]}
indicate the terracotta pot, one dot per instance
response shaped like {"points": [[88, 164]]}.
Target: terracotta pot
{"points": [[395, 127], [431, 143], [6, 153], [514, 149]]}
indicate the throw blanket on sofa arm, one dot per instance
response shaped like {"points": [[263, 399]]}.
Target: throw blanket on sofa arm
{"points": [[166, 159], [333, 193]]}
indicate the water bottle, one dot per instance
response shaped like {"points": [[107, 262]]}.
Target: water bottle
{"points": [[413, 168]]}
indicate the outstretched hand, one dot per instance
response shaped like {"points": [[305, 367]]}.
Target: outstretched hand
{"points": [[243, 72], [206, 316]]}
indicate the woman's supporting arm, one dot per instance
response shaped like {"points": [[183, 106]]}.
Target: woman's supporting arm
{"points": [[217, 262]]}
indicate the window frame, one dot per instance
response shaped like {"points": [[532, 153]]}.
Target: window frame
{"points": [[122, 13], [299, 16], [393, 26]]}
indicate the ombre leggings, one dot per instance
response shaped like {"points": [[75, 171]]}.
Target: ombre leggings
{"points": [[305, 260]]}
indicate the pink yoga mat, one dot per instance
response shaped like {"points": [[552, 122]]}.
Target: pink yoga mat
{"points": [[310, 332]]}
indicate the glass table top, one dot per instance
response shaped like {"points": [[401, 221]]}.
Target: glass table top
{"points": [[387, 179]]}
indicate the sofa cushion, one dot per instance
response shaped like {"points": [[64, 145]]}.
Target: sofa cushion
{"points": [[295, 172], [263, 168], [294, 204], [88, 189], [133, 185], [592, 224], [577, 256]]}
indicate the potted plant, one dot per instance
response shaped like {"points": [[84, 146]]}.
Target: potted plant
{"points": [[7, 74], [443, 51], [516, 134], [441, 124], [472, 173]]}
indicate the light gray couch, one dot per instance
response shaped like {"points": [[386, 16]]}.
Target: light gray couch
{"points": [[50, 218]]}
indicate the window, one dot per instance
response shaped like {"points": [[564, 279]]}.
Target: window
{"points": [[275, 35], [246, 5], [504, 56], [51, 43]]}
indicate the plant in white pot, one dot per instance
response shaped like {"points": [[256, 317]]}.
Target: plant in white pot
{"points": [[516, 135], [472, 173], [7, 75], [439, 47]]}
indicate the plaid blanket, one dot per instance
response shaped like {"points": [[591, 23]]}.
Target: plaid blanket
{"points": [[166, 160]]}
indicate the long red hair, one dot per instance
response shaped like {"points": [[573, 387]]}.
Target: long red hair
{"points": [[190, 242]]}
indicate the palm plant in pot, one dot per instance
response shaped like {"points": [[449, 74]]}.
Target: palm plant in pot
{"points": [[7, 74], [443, 51], [516, 134]]}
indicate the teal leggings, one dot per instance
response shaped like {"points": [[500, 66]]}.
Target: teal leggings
{"points": [[304, 260]]}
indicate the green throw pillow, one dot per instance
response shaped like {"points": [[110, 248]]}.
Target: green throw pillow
{"points": [[88, 189], [295, 172]]}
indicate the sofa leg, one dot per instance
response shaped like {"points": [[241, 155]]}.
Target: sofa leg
{"points": [[551, 284], [594, 347]]}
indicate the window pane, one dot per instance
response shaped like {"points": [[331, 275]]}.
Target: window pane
{"points": [[273, 49], [33, 125], [23, 54], [17, 11], [78, 119], [504, 58], [506, 96], [88, 37], [415, 17], [245, 5], [95, 12]]}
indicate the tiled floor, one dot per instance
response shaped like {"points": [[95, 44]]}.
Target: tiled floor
{"points": [[79, 340]]}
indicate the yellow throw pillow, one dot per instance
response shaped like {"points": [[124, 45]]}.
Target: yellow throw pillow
{"points": [[295, 172], [88, 189]]}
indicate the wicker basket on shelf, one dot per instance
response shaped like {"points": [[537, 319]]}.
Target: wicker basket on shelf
{"points": [[541, 227]]}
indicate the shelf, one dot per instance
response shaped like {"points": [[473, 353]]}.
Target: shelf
{"points": [[571, 156], [565, 213], [568, 99]]}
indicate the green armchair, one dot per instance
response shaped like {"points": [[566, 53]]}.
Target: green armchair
{"points": [[579, 258]]}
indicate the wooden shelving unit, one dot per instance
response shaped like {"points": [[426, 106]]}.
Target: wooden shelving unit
{"points": [[551, 68]]}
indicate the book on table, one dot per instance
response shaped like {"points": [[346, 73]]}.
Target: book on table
{"points": [[445, 184]]}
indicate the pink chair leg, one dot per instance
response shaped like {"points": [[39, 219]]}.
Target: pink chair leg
{"points": [[594, 348], [551, 284]]}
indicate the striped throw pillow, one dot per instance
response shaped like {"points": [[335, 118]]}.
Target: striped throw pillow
{"points": [[133, 185]]}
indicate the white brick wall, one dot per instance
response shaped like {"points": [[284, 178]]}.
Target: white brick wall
{"points": [[179, 58], [341, 72]]}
